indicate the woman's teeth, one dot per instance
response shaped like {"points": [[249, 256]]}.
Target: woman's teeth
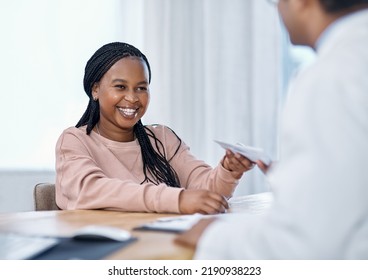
{"points": [[128, 111]]}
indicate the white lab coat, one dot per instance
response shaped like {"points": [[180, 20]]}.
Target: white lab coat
{"points": [[320, 185]]}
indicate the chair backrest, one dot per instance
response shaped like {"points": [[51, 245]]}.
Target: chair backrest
{"points": [[44, 197]]}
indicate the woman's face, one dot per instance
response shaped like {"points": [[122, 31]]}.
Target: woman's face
{"points": [[123, 94]]}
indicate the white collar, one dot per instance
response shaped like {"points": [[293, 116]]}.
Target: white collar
{"points": [[337, 27]]}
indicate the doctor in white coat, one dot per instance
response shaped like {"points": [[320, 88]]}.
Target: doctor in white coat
{"points": [[320, 184]]}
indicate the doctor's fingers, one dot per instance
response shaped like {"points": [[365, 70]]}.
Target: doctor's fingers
{"points": [[263, 166]]}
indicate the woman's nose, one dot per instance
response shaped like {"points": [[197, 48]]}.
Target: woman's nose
{"points": [[131, 96]]}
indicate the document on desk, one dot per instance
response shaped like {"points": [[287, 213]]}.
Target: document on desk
{"points": [[175, 224], [254, 204], [251, 153]]}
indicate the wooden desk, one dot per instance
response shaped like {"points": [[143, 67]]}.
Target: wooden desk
{"points": [[150, 245]]}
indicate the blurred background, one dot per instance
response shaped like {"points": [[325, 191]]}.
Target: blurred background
{"points": [[220, 71]]}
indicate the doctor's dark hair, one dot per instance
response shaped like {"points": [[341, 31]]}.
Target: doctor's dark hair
{"points": [[332, 6], [154, 161]]}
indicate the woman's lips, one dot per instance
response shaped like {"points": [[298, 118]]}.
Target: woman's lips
{"points": [[128, 113]]}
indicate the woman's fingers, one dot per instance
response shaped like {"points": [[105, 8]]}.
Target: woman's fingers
{"points": [[237, 164], [202, 201]]}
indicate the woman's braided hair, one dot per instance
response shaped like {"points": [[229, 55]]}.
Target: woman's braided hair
{"points": [[155, 163]]}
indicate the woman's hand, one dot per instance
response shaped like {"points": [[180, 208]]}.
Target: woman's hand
{"points": [[236, 164], [201, 201]]}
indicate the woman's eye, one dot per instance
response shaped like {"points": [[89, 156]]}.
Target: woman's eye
{"points": [[120, 86], [142, 89]]}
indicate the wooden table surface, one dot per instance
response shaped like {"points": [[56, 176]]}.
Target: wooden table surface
{"points": [[151, 245]]}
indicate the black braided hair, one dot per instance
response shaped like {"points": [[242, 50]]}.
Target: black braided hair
{"points": [[155, 163]]}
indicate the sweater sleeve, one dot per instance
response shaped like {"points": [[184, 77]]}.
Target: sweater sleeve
{"points": [[195, 173], [82, 184]]}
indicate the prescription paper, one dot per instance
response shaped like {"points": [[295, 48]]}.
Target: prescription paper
{"points": [[251, 153]]}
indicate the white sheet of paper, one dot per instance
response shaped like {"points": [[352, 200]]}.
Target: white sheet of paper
{"points": [[178, 223], [254, 204], [251, 153]]}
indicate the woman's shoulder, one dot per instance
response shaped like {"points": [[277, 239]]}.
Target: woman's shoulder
{"points": [[78, 131], [157, 127], [72, 134], [161, 131], [167, 138]]}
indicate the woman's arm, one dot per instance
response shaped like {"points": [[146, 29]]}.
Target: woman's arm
{"points": [[82, 184]]}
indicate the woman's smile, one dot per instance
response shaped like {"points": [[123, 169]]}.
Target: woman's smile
{"points": [[129, 113]]}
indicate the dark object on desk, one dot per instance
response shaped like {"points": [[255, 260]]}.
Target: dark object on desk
{"points": [[73, 249], [168, 230]]}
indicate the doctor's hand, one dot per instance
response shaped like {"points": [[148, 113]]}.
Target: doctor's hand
{"points": [[202, 201], [236, 164], [263, 166]]}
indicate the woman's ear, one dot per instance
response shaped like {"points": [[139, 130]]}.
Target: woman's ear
{"points": [[95, 91]]}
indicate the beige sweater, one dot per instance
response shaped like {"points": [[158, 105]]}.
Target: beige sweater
{"points": [[93, 172]]}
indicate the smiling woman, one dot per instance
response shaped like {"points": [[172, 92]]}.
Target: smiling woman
{"points": [[218, 65], [117, 81], [110, 160]]}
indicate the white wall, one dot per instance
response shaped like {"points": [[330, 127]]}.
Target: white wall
{"points": [[44, 48], [16, 188]]}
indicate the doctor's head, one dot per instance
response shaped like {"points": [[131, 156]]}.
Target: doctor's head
{"points": [[305, 20]]}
